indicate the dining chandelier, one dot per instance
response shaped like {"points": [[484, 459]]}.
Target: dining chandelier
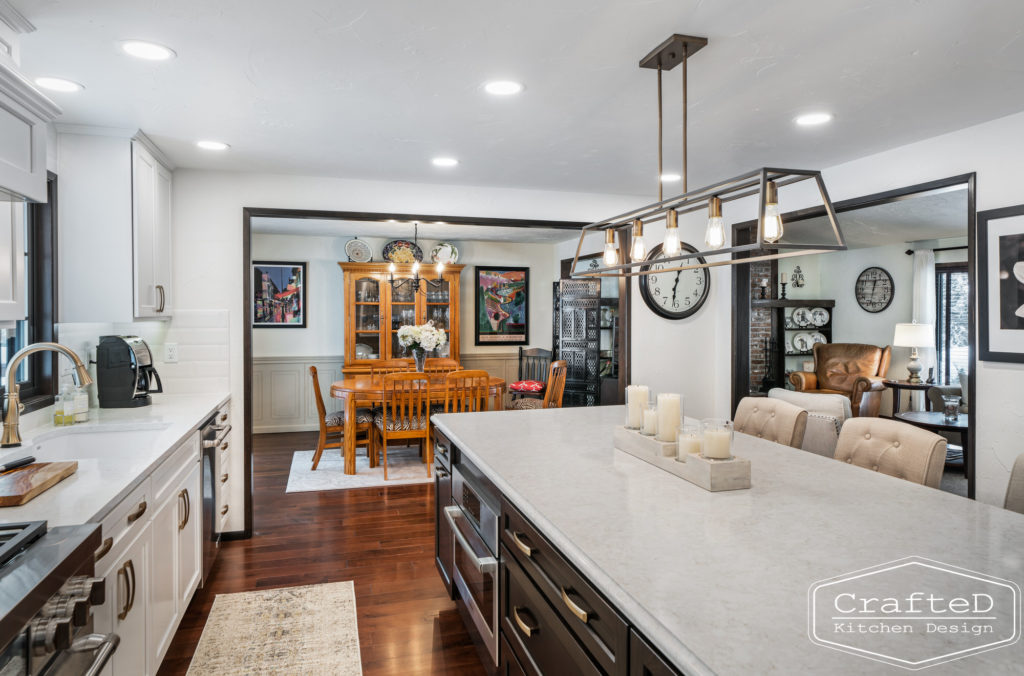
{"points": [[415, 280], [765, 183]]}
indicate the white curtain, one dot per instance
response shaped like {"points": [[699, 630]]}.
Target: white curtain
{"points": [[924, 300]]}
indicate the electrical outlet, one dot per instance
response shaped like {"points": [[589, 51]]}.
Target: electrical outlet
{"points": [[170, 353]]}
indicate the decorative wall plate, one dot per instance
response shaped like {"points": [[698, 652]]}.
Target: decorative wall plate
{"points": [[803, 342], [802, 316], [818, 337], [358, 251], [444, 252], [819, 316], [402, 251], [364, 351]]}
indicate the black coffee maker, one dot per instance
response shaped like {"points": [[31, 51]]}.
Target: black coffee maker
{"points": [[125, 376]]}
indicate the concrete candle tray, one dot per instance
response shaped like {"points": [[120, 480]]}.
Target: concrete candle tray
{"points": [[711, 475]]}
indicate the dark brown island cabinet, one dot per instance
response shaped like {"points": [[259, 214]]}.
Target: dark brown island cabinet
{"points": [[528, 609]]}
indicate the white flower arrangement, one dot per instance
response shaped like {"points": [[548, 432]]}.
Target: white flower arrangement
{"points": [[425, 336]]}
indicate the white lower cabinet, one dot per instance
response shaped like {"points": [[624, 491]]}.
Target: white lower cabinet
{"points": [[151, 581]]}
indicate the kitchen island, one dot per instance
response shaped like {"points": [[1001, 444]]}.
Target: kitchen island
{"points": [[719, 582]]}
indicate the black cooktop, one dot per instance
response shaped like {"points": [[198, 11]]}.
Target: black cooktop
{"points": [[14, 537]]}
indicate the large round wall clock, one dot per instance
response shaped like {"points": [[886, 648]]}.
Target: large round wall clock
{"points": [[673, 295], [874, 289]]}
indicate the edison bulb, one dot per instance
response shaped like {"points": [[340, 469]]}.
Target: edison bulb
{"points": [[391, 268], [772, 230], [611, 255], [672, 246], [416, 268], [638, 252], [714, 234]]}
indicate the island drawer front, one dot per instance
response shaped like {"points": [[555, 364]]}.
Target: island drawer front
{"points": [[125, 521], [508, 663], [550, 648], [605, 633], [645, 661], [442, 449]]}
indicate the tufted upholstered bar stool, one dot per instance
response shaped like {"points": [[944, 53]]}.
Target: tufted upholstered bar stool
{"points": [[771, 419], [1015, 489], [894, 448]]}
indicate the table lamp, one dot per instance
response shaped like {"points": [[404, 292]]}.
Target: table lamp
{"points": [[914, 336]]}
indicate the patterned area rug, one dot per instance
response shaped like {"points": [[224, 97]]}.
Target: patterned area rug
{"points": [[404, 467], [292, 630]]}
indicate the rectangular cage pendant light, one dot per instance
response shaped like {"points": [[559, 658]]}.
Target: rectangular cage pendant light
{"points": [[765, 183]]}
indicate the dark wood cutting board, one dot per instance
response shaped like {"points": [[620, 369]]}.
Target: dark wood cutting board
{"points": [[21, 485]]}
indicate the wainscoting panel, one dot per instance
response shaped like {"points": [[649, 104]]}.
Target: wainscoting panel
{"points": [[282, 398]]}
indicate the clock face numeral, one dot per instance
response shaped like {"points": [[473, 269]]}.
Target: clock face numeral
{"points": [[673, 294]]}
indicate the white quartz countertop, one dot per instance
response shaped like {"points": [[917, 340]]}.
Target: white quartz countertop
{"points": [[719, 581], [144, 438]]}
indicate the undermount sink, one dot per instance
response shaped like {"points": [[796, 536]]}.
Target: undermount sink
{"points": [[94, 441]]}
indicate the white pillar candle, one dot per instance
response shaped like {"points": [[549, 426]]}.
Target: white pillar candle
{"points": [[650, 426], [685, 446], [636, 402], [669, 412], [717, 444]]}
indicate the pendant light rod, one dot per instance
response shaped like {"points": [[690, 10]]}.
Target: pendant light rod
{"points": [[684, 125], [661, 141]]}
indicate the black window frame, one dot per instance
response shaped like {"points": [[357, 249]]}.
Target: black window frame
{"points": [[943, 272], [37, 390]]}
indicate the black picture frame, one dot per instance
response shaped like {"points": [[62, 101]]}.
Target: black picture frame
{"points": [[278, 271], [989, 322], [510, 336]]}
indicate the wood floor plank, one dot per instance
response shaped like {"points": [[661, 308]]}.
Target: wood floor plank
{"points": [[380, 538]]}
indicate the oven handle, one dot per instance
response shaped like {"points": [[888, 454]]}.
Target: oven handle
{"points": [[487, 564], [104, 644]]}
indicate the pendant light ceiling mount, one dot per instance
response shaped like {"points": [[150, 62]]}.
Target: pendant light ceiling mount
{"points": [[763, 183]]}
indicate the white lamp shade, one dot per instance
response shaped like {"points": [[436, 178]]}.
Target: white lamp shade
{"points": [[914, 335]]}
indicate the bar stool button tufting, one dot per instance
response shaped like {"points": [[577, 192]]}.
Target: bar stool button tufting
{"points": [[849, 460], [867, 435], [875, 467], [896, 443]]}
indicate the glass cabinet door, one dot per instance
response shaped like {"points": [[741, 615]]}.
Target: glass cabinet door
{"points": [[437, 308], [367, 318], [402, 312]]}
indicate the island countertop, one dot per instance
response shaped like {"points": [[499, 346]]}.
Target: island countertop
{"points": [[719, 582]]}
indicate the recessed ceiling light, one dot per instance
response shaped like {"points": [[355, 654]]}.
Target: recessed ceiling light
{"points": [[670, 178], [813, 119], [503, 87], [147, 50], [212, 145], [444, 161], [58, 84]]}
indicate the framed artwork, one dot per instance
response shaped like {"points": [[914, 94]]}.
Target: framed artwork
{"points": [[279, 295], [1000, 248], [502, 305]]}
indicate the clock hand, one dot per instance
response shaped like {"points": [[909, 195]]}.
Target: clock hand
{"points": [[674, 286]]}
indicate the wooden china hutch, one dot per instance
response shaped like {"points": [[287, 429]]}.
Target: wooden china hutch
{"points": [[374, 311]]}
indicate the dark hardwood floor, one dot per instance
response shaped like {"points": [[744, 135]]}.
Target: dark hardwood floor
{"points": [[382, 539]]}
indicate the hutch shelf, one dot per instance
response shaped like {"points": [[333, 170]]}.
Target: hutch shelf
{"points": [[374, 311]]}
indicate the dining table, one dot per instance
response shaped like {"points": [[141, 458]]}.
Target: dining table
{"points": [[368, 391]]}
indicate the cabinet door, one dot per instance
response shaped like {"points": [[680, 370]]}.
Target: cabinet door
{"points": [[144, 230], [190, 536], [127, 587], [162, 241], [403, 308], [12, 261], [365, 303], [163, 591]]}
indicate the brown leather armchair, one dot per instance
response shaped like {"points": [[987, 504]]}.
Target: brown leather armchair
{"points": [[850, 369]]}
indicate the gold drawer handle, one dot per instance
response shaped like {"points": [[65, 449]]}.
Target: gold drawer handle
{"points": [[137, 514], [224, 446], [523, 627], [573, 608], [223, 510], [103, 550], [223, 417], [224, 478], [523, 547]]}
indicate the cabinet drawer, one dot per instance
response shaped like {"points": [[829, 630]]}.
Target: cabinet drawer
{"points": [[597, 625], [645, 661], [508, 663], [541, 641], [125, 521], [168, 475], [442, 449]]}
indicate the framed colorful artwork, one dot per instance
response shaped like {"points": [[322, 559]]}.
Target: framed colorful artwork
{"points": [[1000, 247], [279, 295], [502, 305]]}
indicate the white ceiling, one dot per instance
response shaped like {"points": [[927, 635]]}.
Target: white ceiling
{"points": [[328, 227], [375, 88]]}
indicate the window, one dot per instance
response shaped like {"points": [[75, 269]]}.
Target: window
{"points": [[36, 375], [952, 296]]}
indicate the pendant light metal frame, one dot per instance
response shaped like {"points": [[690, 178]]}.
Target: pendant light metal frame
{"points": [[673, 52]]}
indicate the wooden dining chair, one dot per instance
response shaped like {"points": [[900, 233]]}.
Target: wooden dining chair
{"points": [[405, 414], [440, 365], [534, 363], [385, 366], [466, 391], [553, 389], [334, 423]]}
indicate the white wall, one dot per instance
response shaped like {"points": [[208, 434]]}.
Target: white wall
{"points": [[324, 335]]}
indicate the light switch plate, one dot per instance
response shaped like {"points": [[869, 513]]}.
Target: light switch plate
{"points": [[170, 353]]}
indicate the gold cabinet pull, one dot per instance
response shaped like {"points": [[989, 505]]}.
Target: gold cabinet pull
{"points": [[224, 478], [522, 546], [223, 510], [523, 627], [103, 550], [223, 417], [224, 446], [137, 514], [574, 608], [127, 571], [163, 297]]}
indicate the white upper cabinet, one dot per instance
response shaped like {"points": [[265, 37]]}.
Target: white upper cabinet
{"points": [[12, 261], [115, 226], [24, 113]]}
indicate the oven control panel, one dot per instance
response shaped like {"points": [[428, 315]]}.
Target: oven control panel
{"points": [[66, 615]]}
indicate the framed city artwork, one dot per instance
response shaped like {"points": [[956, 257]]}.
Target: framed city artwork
{"points": [[279, 295], [502, 305], [1000, 248]]}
